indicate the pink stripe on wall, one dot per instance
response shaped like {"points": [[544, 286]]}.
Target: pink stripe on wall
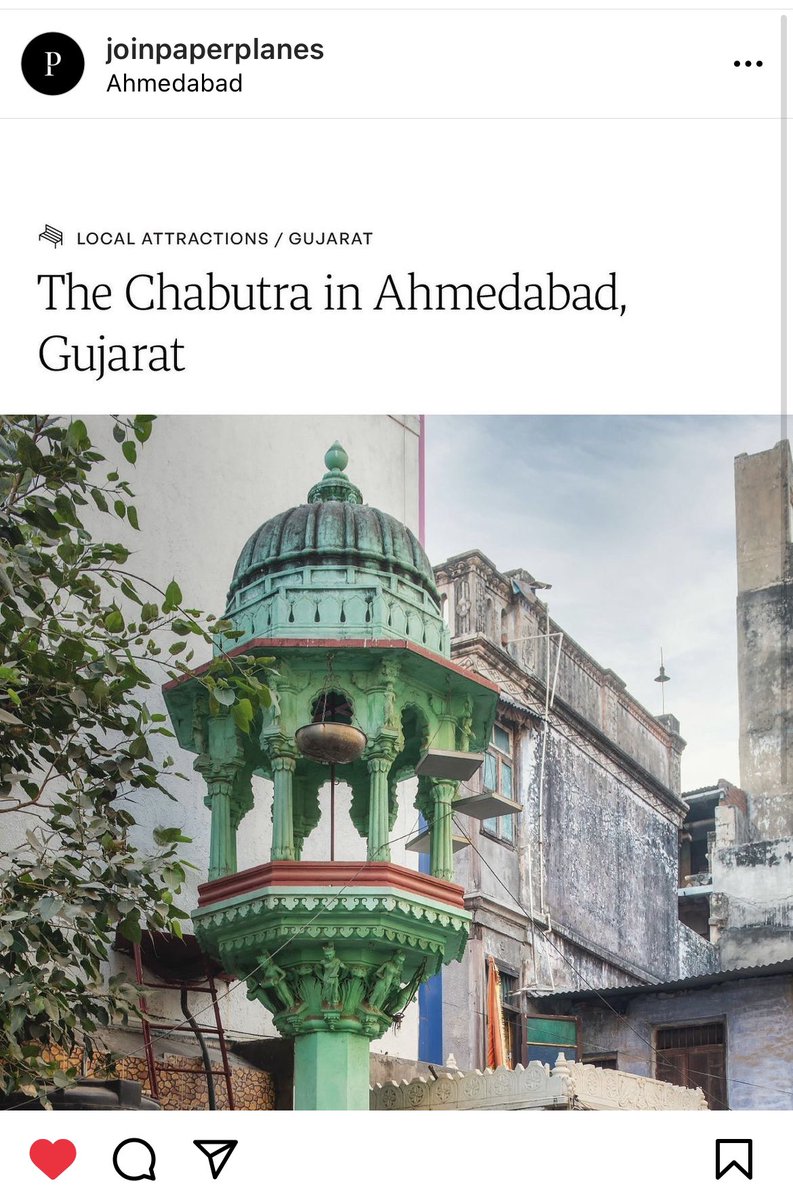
{"points": [[422, 492]]}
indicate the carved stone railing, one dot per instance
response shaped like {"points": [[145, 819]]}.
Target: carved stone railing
{"points": [[594, 1087], [534, 1086], [567, 1085]]}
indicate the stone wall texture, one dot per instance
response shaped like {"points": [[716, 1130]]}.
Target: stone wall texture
{"points": [[758, 1015]]}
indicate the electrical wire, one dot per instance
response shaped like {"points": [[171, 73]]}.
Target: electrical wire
{"points": [[167, 1036], [602, 997]]}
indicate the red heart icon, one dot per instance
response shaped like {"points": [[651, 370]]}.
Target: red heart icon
{"points": [[53, 1157]]}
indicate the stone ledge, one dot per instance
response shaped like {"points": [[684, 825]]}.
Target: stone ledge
{"points": [[310, 875]]}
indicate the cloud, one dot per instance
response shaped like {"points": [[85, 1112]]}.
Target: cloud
{"points": [[632, 520]]}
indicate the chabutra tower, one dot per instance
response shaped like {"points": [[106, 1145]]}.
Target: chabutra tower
{"points": [[338, 600]]}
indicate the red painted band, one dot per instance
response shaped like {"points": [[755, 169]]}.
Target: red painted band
{"points": [[273, 644], [330, 875]]}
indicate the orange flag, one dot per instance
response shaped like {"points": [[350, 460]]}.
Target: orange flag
{"points": [[496, 1042]]}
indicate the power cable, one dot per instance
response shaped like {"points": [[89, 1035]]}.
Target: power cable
{"points": [[601, 996], [165, 1037]]}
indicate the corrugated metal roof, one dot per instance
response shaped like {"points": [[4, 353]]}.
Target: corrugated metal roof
{"points": [[505, 698], [783, 966]]}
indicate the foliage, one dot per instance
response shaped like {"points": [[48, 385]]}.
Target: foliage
{"points": [[81, 638]]}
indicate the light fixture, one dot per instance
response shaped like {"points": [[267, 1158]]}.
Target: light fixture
{"points": [[420, 844], [449, 764], [485, 805]]}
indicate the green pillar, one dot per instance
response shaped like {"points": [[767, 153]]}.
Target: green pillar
{"points": [[283, 821], [378, 849], [441, 866], [331, 1071], [223, 840]]}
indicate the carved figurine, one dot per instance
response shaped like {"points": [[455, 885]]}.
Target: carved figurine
{"points": [[273, 979], [328, 972], [408, 992], [387, 978]]}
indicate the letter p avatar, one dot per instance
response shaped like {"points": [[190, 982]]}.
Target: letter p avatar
{"points": [[53, 63]]}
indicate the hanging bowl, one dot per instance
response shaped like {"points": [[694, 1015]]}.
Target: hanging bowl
{"points": [[331, 742]]}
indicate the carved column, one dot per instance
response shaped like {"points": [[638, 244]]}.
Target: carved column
{"points": [[378, 849], [283, 820], [221, 762], [443, 792], [222, 838]]}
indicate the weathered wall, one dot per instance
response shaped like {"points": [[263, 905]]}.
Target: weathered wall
{"points": [[482, 600], [753, 886], [588, 893], [611, 862], [763, 497], [758, 1015], [696, 955]]}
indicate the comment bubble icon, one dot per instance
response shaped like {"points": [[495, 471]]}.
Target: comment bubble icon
{"points": [[134, 1159]]}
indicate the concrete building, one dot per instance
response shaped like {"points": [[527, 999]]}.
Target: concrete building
{"points": [[736, 865], [580, 885], [729, 1030], [752, 860]]}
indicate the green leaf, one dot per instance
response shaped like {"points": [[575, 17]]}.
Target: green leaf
{"points": [[149, 612], [142, 428], [177, 647], [120, 508], [99, 500], [114, 621], [129, 451], [173, 596], [118, 433], [243, 714], [130, 592], [132, 516], [130, 927], [77, 435], [168, 836], [7, 718]]}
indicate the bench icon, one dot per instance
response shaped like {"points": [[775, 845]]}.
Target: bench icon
{"points": [[51, 234]]}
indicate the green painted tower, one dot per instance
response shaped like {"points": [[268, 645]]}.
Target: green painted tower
{"points": [[339, 601]]}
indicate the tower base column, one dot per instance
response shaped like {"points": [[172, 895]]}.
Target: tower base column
{"points": [[331, 1071]]}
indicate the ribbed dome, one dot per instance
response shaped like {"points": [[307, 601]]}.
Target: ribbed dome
{"points": [[334, 526]]}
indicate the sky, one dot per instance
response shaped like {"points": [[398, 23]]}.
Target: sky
{"points": [[632, 521]]}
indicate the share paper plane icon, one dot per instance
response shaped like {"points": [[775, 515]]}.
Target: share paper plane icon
{"points": [[218, 1154]]}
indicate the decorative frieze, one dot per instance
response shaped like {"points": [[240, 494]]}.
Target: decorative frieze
{"points": [[568, 1085]]}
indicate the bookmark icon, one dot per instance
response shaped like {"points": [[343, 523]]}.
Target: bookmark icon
{"points": [[734, 1152], [218, 1154]]}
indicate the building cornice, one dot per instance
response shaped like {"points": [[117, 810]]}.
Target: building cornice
{"points": [[480, 654]]}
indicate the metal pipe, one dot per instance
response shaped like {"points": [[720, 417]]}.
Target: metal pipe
{"points": [[332, 811], [148, 1048], [191, 1021]]}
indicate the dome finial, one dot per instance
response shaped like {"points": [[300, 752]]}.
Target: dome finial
{"points": [[335, 485], [336, 458]]}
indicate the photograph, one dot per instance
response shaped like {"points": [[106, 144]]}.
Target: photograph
{"points": [[316, 796]]}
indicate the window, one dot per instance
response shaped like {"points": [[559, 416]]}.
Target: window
{"points": [[693, 1056], [607, 1062], [498, 776], [510, 1003], [548, 1037]]}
